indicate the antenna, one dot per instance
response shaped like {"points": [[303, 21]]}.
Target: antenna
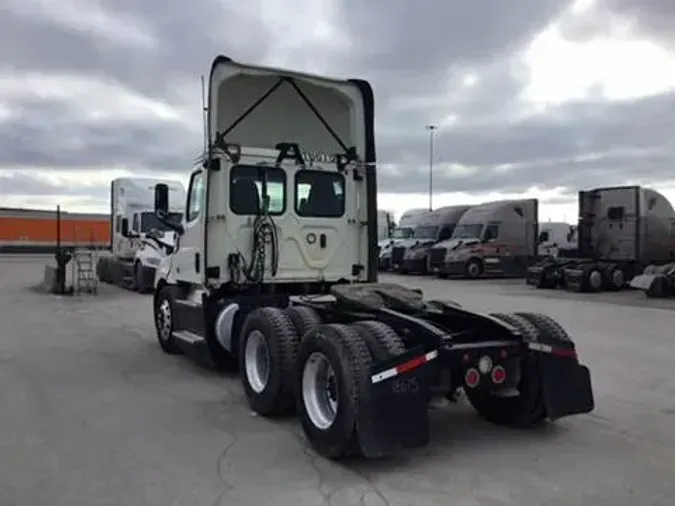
{"points": [[205, 111]]}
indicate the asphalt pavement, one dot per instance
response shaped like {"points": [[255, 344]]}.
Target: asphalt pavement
{"points": [[93, 413]]}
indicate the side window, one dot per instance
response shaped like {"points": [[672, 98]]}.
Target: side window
{"points": [[491, 232], [543, 236], [135, 225], [616, 213], [446, 233], [319, 194], [195, 197], [118, 223], [254, 189]]}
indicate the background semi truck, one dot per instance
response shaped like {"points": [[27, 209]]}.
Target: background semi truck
{"points": [[432, 228], [385, 225], [138, 239], [494, 238], [400, 235], [620, 231]]}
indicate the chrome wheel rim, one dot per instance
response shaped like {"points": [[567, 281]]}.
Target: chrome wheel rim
{"points": [[257, 361], [320, 391]]}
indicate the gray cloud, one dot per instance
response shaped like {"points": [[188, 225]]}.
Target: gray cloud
{"points": [[416, 56], [27, 184]]}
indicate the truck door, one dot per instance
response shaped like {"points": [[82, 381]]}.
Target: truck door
{"points": [[187, 261], [325, 242]]}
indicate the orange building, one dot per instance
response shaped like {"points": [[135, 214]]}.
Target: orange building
{"points": [[32, 230]]}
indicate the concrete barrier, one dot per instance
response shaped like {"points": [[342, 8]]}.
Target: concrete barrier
{"points": [[50, 280]]}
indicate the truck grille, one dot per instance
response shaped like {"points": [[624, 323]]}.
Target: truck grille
{"points": [[436, 257], [397, 254]]}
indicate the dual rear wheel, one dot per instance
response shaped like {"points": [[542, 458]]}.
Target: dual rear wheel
{"points": [[291, 361]]}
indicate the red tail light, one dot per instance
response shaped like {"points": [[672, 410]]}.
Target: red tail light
{"points": [[472, 377], [498, 375]]}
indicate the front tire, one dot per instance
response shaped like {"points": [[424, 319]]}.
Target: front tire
{"points": [[164, 320], [473, 269]]}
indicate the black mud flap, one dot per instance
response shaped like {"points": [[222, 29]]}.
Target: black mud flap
{"points": [[565, 384], [395, 417], [534, 275]]}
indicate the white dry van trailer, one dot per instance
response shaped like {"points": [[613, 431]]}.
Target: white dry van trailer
{"points": [[138, 239], [286, 289]]}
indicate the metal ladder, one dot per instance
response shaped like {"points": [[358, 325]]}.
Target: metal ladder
{"points": [[84, 275]]}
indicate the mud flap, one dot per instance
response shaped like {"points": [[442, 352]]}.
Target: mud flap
{"points": [[395, 417], [575, 278], [565, 385]]}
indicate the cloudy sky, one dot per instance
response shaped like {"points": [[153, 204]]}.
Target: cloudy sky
{"points": [[532, 97]]}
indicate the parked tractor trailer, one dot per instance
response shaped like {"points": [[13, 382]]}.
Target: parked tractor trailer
{"points": [[287, 289], [439, 225], [498, 239], [401, 235], [138, 239], [621, 231]]}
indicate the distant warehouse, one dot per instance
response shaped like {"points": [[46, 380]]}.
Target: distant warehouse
{"points": [[35, 231]]}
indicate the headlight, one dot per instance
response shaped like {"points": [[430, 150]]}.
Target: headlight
{"points": [[152, 261]]}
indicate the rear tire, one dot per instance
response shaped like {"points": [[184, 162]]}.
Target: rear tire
{"points": [[594, 279], [304, 319], [164, 320], [545, 323], [329, 408], [527, 408], [616, 278], [382, 341], [267, 349]]}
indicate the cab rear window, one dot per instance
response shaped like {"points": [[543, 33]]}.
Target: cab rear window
{"points": [[319, 194]]}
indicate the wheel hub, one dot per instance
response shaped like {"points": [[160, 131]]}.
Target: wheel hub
{"points": [[164, 320], [257, 361], [320, 391], [595, 279]]}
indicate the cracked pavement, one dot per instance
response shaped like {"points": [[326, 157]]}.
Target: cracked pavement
{"points": [[93, 413]]}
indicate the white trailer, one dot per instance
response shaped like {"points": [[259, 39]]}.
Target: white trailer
{"points": [[138, 239]]}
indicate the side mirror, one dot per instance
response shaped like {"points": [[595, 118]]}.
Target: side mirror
{"points": [[161, 199], [125, 227]]}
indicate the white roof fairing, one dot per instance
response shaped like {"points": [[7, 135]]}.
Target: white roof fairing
{"points": [[140, 192], [263, 106]]}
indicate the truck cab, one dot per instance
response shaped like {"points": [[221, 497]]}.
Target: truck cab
{"points": [[495, 238], [402, 235], [436, 227], [138, 239], [282, 203]]}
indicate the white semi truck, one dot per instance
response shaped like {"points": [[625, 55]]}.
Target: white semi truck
{"points": [[138, 239], [275, 270]]}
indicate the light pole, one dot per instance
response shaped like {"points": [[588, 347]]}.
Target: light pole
{"points": [[432, 130]]}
